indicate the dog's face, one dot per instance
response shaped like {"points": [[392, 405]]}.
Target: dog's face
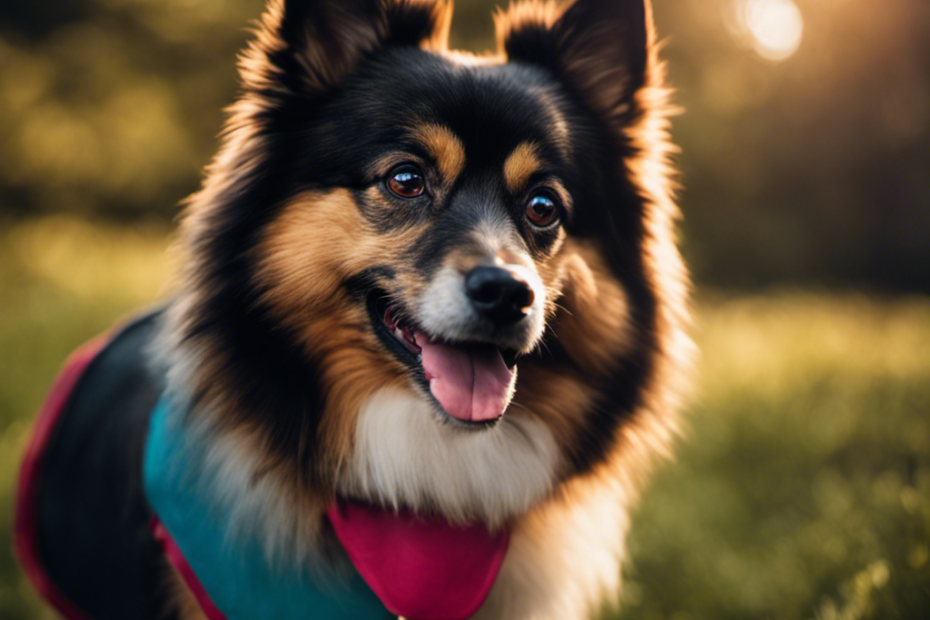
{"points": [[448, 193], [424, 279]]}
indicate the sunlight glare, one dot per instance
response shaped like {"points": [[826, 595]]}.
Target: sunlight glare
{"points": [[776, 27]]}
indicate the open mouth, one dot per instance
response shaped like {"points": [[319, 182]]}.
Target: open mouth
{"points": [[472, 382]]}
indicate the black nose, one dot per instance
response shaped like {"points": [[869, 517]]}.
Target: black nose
{"points": [[498, 294]]}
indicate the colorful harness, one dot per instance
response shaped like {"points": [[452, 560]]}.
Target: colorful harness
{"points": [[107, 489]]}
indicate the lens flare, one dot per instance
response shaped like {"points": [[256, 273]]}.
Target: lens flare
{"points": [[776, 27]]}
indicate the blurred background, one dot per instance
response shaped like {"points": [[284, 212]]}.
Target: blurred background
{"points": [[802, 489]]}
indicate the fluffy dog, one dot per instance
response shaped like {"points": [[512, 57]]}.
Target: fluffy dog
{"points": [[429, 330]]}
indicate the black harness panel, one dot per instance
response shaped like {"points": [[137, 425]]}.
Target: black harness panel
{"points": [[91, 516]]}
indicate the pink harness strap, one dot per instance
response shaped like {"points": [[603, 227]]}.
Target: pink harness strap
{"points": [[177, 560], [25, 543]]}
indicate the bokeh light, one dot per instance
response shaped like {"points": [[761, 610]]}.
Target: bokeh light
{"points": [[773, 28]]}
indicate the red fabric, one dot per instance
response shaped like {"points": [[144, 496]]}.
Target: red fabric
{"points": [[421, 569], [184, 569], [25, 543]]}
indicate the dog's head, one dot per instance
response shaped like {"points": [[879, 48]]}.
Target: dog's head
{"points": [[427, 279]]}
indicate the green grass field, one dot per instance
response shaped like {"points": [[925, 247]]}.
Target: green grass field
{"points": [[802, 484]]}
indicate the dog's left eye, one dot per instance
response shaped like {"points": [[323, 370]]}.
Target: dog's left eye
{"points": [[406, 181], [542, 209]]}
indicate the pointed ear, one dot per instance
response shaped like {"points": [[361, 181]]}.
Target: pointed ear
{"points": [[601, 49], [310, 45]]}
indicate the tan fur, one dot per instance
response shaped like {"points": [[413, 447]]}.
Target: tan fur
{"points": [[520, 166], [565, 553], [653, 429], [305, 292], [545, 575], [520, 15], [562, 560], [557, 395], [591, 317], [593, 325], [442, 20], [182, 599], [651, 172], [445, 148]]}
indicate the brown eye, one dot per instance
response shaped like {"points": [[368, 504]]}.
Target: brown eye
{"points": [[542, 210], [406, 181]]}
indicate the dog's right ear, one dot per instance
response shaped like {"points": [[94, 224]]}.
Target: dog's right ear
{"points": [[308, 46]]}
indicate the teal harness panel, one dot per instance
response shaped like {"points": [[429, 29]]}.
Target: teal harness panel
{"points": [[237, 577]]}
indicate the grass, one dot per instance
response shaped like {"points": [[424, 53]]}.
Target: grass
{"points": [[62, 280], [801, 489]]}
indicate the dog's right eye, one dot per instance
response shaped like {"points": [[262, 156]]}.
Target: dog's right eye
{"points": [[406, 181]]}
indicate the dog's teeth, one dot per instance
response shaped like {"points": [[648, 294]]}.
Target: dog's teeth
{"points": [[398, 333]]}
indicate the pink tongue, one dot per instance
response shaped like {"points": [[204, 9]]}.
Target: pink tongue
{"points": [[471, 382], [420, 569]]}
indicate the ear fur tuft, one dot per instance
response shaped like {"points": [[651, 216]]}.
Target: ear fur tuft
{"points": [[308, 46], [601, 49]]}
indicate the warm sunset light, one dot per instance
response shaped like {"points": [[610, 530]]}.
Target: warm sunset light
{"points": [[776, 27]]}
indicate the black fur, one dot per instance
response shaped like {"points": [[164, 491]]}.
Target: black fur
{"points": [[324, 140]]}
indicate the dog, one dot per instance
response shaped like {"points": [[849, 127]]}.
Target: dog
{"points": [[428, 340]]}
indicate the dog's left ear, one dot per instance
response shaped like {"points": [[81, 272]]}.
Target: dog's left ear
{"points": [[601, 49], [309, 46]]}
